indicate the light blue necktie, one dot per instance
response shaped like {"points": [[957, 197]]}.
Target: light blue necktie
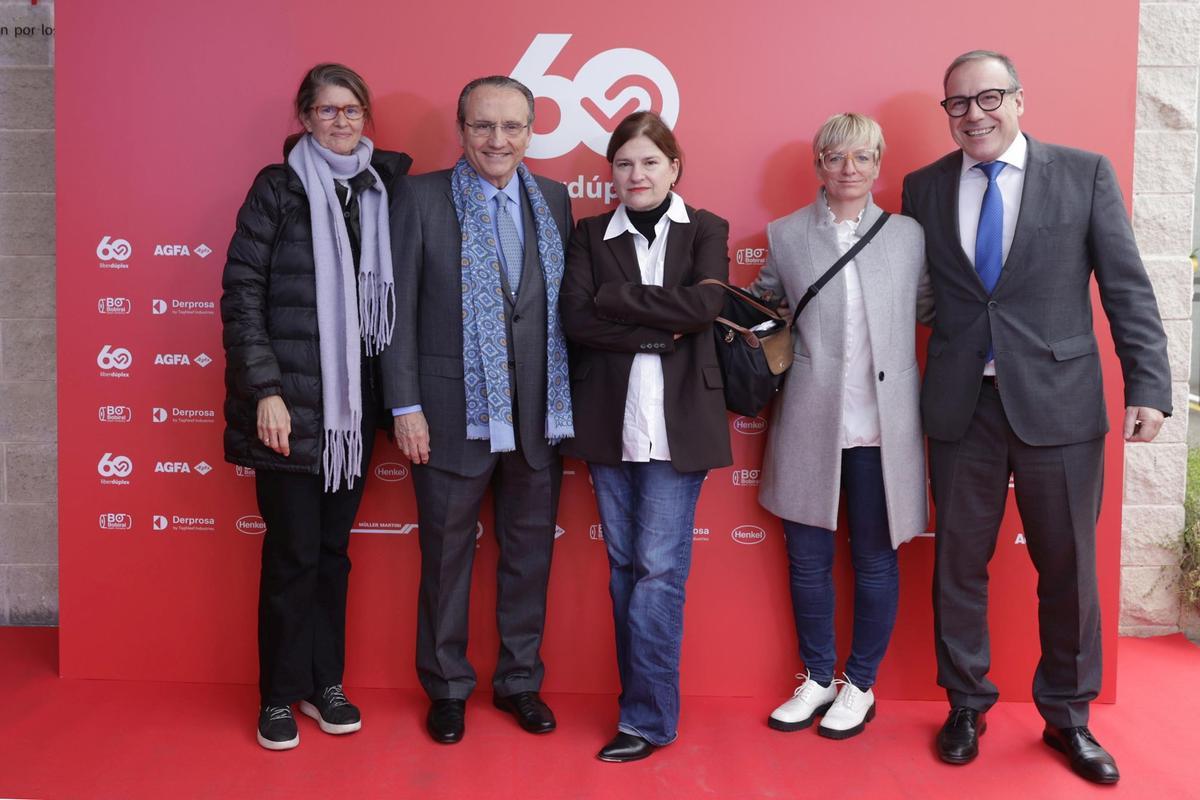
{"points": [[511, 251], [989, 238]]}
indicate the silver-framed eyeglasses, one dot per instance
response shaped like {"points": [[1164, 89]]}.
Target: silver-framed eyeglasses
{"points": [[484, 129], [353, 112], [987, 100], [862, 160]]}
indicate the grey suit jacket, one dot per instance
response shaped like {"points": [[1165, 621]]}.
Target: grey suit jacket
{"points": [[802, 464], [424, 363], [1071, 226]]}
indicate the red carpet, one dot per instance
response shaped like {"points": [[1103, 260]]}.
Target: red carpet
{"points": [[68, 739]]}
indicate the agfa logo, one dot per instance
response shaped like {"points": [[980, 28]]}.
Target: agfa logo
{"points": [[607, 88], [251, 525], [111, 466], [111, 249], [114, 358], [203, 468], [116, 522], [391, 471], [203, 250], [114, 305], [748, 534], [750, 426], [115, 414]]}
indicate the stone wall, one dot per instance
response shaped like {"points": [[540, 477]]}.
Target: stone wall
{"points": [[1164, 189], [28, 428]]}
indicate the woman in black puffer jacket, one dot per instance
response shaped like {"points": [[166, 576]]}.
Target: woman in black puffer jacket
{"points": [[308, 304]]}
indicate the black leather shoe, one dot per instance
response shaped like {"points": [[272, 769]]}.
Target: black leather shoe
{"points": [[532, 714], [958, 740], [626, 747], [446, 720], [1088, 759]]}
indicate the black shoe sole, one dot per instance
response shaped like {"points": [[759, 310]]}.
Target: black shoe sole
{"points": [[967, 759], [626, 759], [846, 734], [789, 727]]}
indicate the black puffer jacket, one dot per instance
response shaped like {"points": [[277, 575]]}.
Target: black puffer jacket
{"points": [[269, 311]]}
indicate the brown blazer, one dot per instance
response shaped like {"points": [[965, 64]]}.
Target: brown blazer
{"points": [[610, 316]]}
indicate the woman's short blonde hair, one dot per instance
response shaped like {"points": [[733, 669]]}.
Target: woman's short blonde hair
{"points": [[847, 129]]}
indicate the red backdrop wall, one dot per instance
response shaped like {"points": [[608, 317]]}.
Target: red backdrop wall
{"points": [[165, 113]]}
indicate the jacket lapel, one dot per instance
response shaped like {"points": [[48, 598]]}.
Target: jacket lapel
{"points": [[823, 252], [875, 278], [624, 254], [679, 244], [1038, 177]]}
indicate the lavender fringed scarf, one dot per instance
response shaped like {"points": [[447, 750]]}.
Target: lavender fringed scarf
{"points": [[343, 307]]}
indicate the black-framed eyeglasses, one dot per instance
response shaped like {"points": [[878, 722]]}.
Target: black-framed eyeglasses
{"points": [[353, 112], [987, 100], [484, 129]]}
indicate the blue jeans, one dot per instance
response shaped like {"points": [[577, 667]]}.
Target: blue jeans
{"points": [[648, 510], [876, 576]]}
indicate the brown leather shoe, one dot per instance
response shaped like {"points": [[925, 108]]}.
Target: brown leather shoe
{"points": [[1087, 758]]}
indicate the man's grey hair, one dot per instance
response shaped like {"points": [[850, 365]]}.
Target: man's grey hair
{"points": [[498, 82], [982, 55]]}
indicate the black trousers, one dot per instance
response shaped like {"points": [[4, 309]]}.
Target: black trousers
{"points": [[526, 505], [1058, 495], [305, 575]]}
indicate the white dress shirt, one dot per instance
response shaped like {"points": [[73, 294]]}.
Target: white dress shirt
{"points": [[972, 183], [860, 407], [644, 433]]}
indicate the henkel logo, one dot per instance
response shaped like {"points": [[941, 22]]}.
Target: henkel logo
{"points": [[750, 426], [158, 414], [251, 525], [115, 414], [116, 522], [596, 532], [114, 305], [747, 477], [748, 534], [159, 522], [111, 249], [114, 358], [607, 88], [110, 465], [752, 256], [391, 471]]}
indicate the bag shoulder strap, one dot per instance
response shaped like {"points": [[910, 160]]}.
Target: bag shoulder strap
{"points": [[837, 267]]}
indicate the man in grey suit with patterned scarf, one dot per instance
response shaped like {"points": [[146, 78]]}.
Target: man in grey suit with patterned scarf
{"points": [[477, 380], [1015, 229]]}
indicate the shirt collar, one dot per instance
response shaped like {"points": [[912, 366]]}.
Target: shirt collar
{"points": [[830, 219], [676, 212], [512, 189], [1014, 156]]}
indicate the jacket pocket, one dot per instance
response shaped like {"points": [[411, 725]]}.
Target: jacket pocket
{"points": [[440, 366], [1073, 346], [713, 378]]}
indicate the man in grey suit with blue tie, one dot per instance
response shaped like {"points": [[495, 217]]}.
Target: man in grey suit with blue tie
{"points": [[477, 379], [1015, 229]]}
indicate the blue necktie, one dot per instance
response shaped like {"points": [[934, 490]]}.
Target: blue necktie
{"points": [[511, 251], [989, 238]]}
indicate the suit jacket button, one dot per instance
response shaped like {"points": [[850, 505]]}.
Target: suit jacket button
{"points": [[512, 365], [992, 304], [516, 317], [881, 375]]}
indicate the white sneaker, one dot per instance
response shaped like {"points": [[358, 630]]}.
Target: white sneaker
{"points": [[809, 701], [850, 712]]}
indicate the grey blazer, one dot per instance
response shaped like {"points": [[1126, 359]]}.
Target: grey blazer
{"points": [[424, 363], [1072, 226], [802, 465]]}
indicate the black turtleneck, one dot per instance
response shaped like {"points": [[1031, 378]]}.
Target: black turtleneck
{"points": [[644, 221]]}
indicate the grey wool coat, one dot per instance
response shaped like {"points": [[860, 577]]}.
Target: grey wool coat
{"points": [[802, 463]]}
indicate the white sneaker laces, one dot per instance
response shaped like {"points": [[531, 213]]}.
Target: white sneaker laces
{"points": [[278, 712], [334, 697]]}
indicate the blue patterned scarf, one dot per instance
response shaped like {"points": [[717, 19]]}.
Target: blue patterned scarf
{"points": [[485, 354]]}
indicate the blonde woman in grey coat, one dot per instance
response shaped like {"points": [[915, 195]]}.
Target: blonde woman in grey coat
{"points": [[846, 425]]}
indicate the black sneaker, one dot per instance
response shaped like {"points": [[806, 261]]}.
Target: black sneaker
{"points": [[277, 728], [332, 711]]}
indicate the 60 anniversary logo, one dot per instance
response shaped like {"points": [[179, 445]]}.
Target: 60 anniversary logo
{"points": [[608, 87]]}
